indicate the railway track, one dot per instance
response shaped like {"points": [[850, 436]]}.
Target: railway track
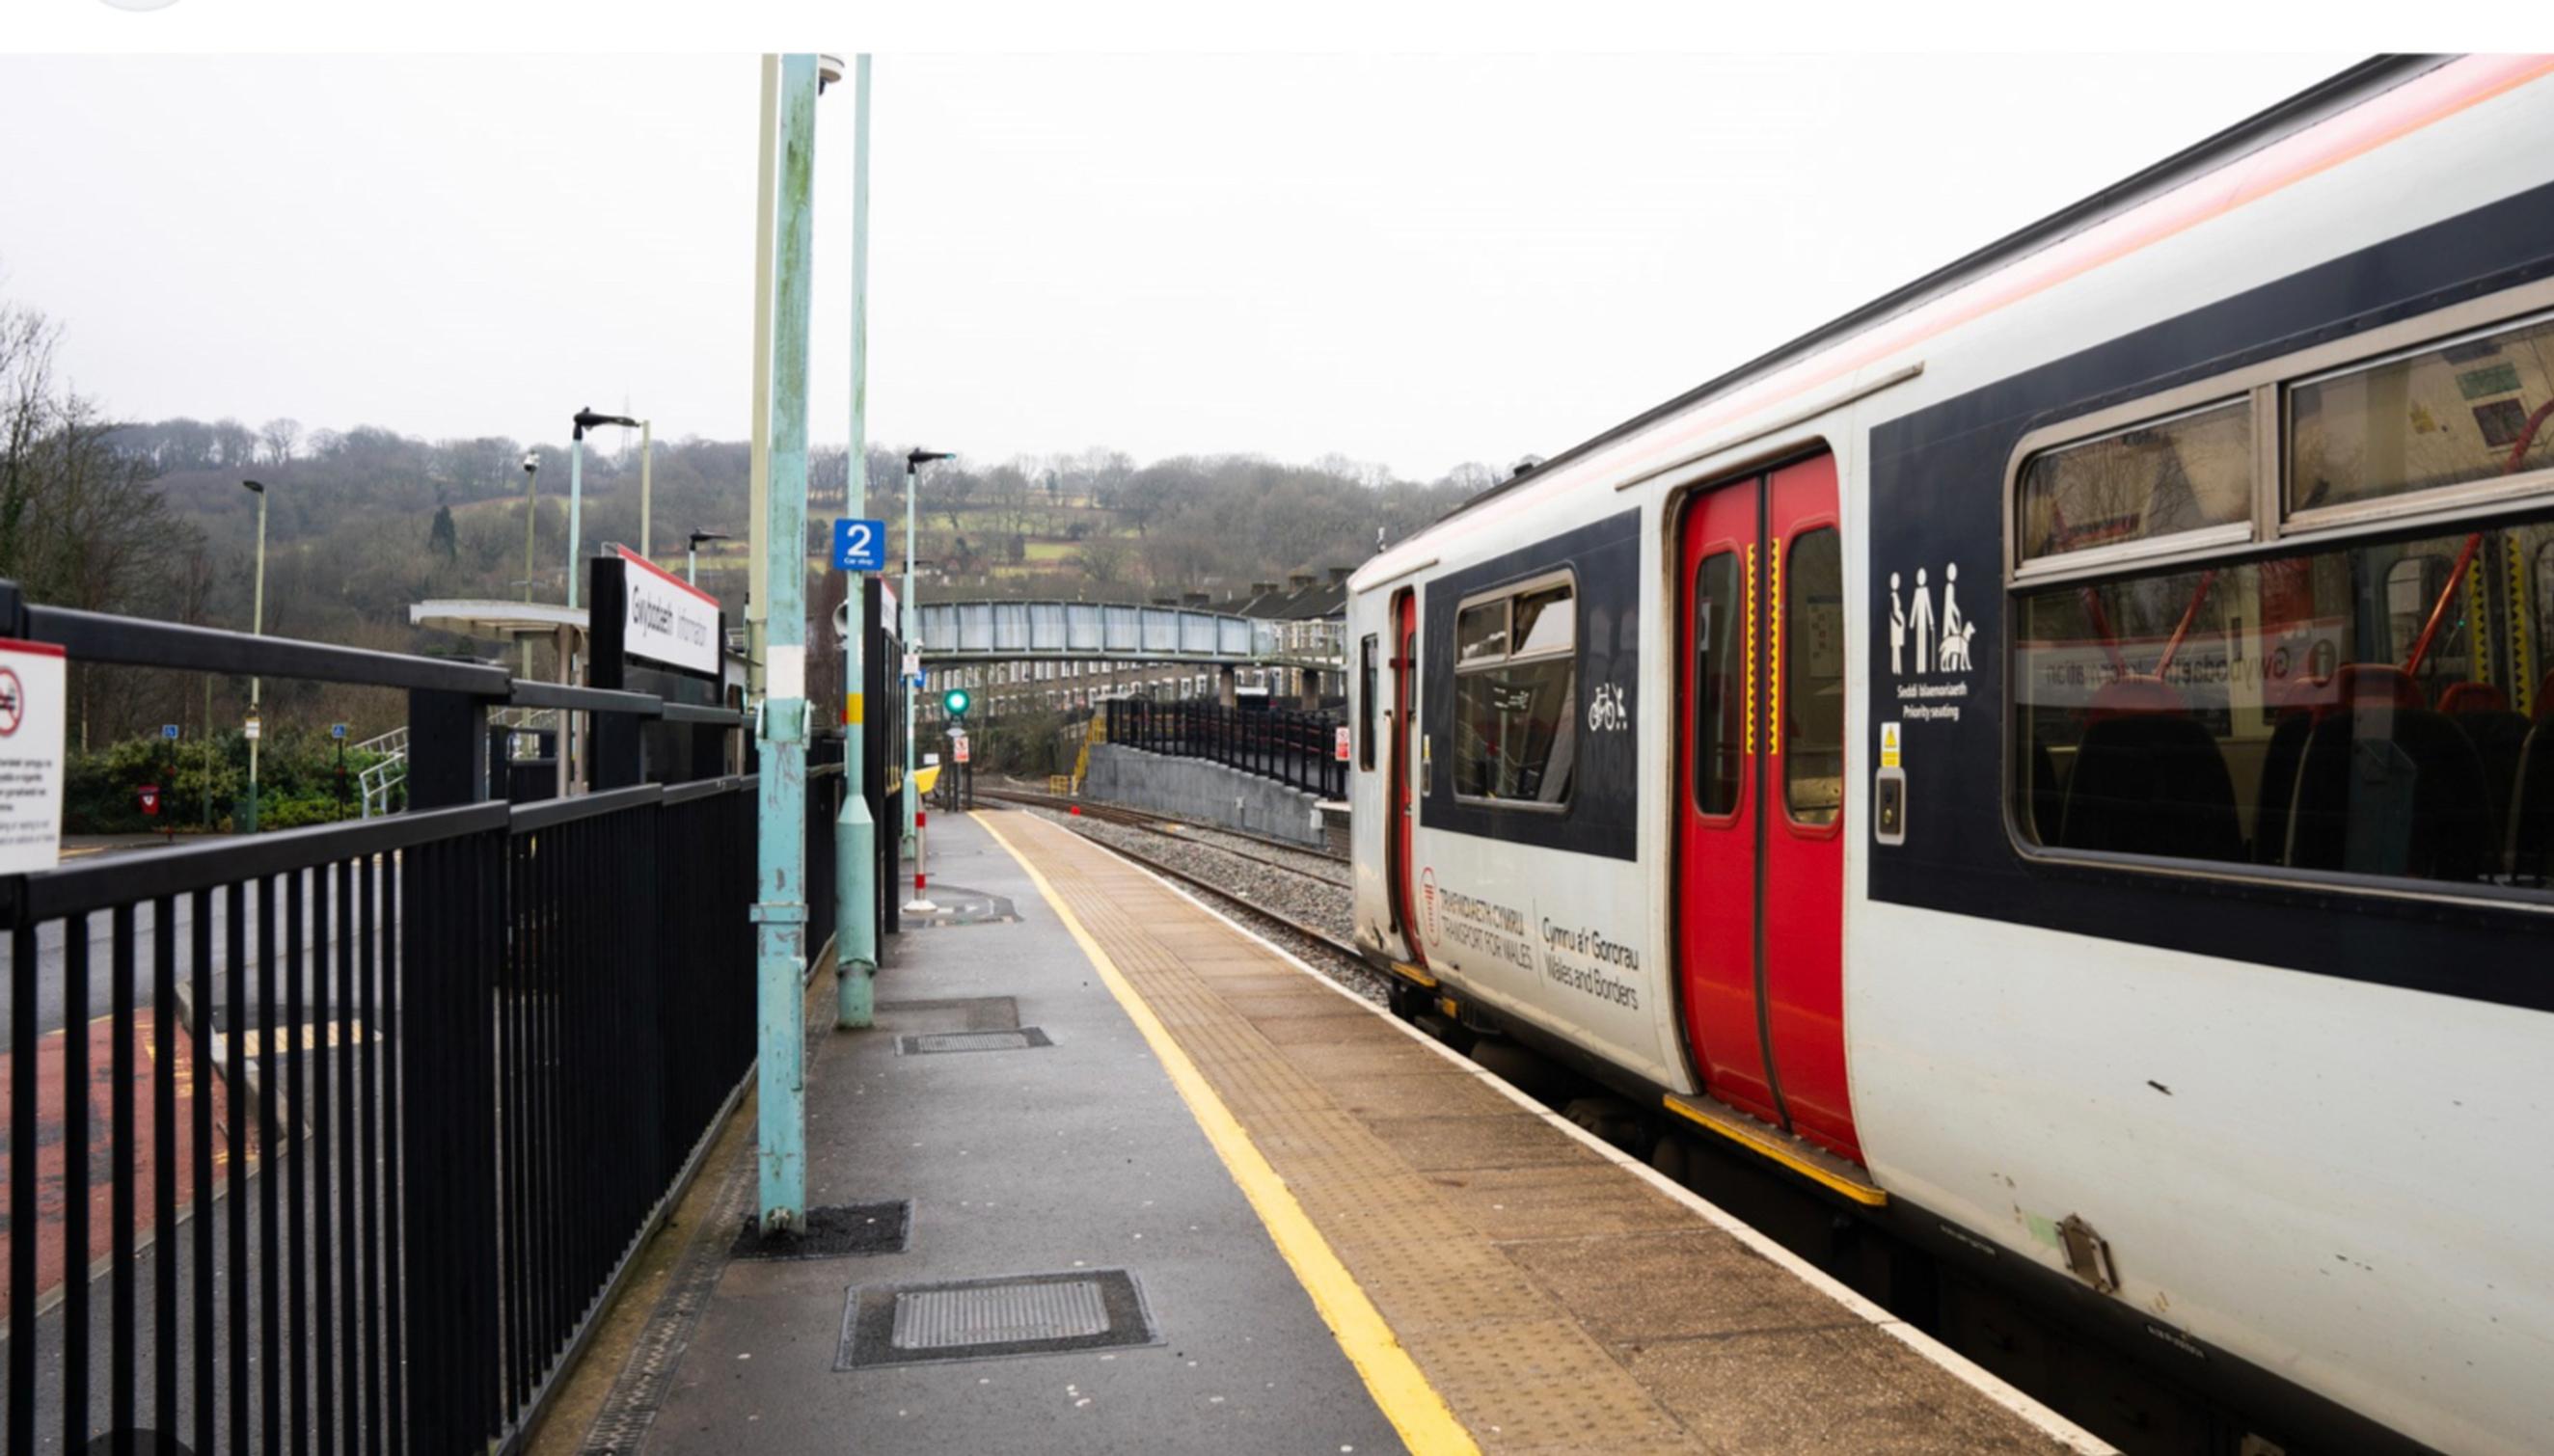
{"points": [[1179, 829], [1328, 939]]}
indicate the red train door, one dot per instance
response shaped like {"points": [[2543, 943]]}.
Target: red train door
{"points": [[1760, 795], [1404, 743]]}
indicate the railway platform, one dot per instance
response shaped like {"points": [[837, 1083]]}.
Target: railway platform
{"points": [[1120, 1176]]}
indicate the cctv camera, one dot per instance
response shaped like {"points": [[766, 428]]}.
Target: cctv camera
{"points": [[531, 461]]}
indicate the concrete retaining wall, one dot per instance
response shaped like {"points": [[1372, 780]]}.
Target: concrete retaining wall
{"points": [[1202, 793]]}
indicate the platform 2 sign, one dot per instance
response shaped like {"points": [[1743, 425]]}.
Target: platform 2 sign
{"points": [[32, 717], [860, 544], [667, 619]]}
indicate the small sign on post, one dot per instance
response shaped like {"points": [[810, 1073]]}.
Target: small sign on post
{"points": [[169, 730], [254, 730], [337, 731], [958, 748], [31, 719], [1339, 744], [859, 544]]}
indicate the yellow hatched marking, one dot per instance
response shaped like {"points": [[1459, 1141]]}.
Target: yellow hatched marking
{"points": [[1765, 1146], [1774, 650], [2477, 611], [1400, 1390], [2522, 666], [1750, 702]]}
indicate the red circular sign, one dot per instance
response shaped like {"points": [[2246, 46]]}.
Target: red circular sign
{"points": [[13, 702]]}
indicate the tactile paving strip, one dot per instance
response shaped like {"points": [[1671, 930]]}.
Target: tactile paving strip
{"points": [[1484, 1235]]}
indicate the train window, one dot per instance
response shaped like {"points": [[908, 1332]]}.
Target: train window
{"points": [[1719, 751], [1369, 682], [1516, 678], [1481, 632], [2447, 415], [2157, 479], [1811, 700], [2358, 709]]}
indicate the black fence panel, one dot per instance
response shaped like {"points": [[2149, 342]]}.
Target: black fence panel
{"points": [[1298, 749], [335, 1139]]}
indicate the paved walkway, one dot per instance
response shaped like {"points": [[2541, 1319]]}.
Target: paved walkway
{"points": [[1346, 1239], [1067, 1158]]}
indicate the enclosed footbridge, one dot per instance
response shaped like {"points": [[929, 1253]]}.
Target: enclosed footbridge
{"points": [[1008, 632]]}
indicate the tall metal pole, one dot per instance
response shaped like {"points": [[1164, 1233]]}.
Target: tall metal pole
{"points": [[780, 914], [759, 457], [646, 484], [575, 508], [531, 515], [855, 831], [257, 628], [912, 815]]}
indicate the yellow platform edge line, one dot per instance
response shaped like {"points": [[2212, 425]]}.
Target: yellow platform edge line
{"points": [[1400, 1388], [1768, 1147]]}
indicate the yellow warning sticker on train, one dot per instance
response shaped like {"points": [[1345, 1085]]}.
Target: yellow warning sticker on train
{"points": [[1889, 745]]}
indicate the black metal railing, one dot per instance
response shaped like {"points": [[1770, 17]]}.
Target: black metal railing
{"points": [[1298, 749], [337, 1139]]}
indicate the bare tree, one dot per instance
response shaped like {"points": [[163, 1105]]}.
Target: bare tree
{"points": [[1104, 559], [281, 435]]}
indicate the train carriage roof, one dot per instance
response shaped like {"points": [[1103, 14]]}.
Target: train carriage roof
{"points": [[2315, 104]]}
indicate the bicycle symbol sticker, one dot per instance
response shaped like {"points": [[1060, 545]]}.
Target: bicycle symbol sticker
{"points": [[1607, 710]]}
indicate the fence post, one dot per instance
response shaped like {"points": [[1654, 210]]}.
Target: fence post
{"points": [[449, 941], [447, 748]]}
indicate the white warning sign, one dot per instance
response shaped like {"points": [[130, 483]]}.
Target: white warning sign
{"points": [[31, 693]]}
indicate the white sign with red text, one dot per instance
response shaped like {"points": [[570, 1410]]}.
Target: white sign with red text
{"points": [[669, 620], [31, 696]]}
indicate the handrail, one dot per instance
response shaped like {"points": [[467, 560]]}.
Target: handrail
{"points": [[524, 693], [128, 879], [96, 636], [550, 813]]}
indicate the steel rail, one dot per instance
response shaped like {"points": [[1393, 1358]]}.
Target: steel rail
{"points": [[1328, 939], [1137, 818]]}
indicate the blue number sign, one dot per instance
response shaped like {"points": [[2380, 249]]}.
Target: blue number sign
{"points": [[860, 545]]}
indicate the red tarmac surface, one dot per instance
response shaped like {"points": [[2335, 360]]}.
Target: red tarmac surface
{"points": [[54, 1191]]}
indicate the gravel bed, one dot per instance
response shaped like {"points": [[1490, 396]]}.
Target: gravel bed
{"points": [[1327, 904], [1323, 866]]}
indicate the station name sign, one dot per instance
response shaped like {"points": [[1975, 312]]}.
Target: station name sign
{"points": [[669, 620]]}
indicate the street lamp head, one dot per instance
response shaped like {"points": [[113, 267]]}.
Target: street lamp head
{"points": [[700, 537], [256, 486], [829, 70], [531, 461], [587, 419], [918, 458]]}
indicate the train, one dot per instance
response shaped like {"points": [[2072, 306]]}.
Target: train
{"points": [[2058, 763]]}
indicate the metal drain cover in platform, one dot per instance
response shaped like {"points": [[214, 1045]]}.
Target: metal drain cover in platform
{"points": [[984, 1318], [831, 1233], [1014, 1038]]}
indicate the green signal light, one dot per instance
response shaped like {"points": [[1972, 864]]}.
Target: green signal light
{"points": [[956, 701]]}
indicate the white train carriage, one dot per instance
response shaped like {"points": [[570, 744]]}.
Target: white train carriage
{"points": [[2064, 756]]}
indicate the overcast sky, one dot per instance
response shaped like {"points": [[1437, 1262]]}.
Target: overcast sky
{"points": [[1415, 261]]}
